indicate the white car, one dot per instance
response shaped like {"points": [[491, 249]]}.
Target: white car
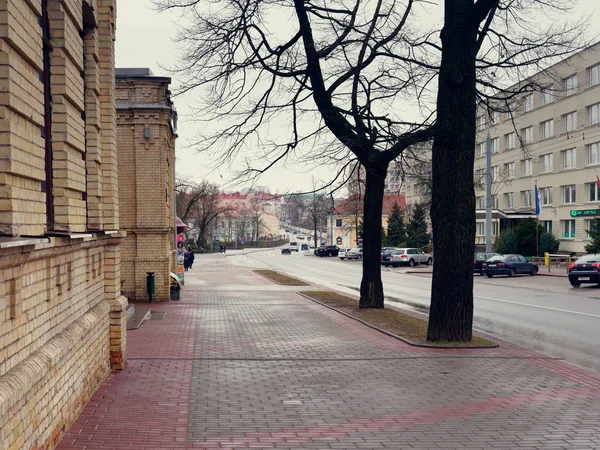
{"points": [[350, 253], [410, 257]]}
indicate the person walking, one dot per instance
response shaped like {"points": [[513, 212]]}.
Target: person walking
{"points": [[191, 256]]}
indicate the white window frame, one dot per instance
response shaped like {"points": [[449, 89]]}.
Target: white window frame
{"points": [[547, 129], [526, 197], [547, 95], [570, 85], [495, 145], [495, 173], [509, 199], [480, 202], [594, 75], [480, 229], [509, 168], [592, 192], [480, 122], [510, 140], [593, 153], [546, 196], [547, 225], [570, 121], [569, 194], [528, 103], [567, 229], [569, 158], [593, 114], [527, 135], [481, 149], [527, 164], [546, 163], [587, 223], [495, 201], [495, 115]]}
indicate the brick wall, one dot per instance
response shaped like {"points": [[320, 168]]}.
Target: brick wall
{"points": [[62, 316], [146, 177]]}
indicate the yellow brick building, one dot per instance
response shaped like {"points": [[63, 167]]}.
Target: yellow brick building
{"points": [[62, 318], [146, 129]]}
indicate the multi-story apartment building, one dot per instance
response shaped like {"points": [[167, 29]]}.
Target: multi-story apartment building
{"points": [[551, 138]]}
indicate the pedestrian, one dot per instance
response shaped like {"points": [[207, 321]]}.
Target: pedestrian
{"points": [[224, 249], [191, 256], [186, 260]]}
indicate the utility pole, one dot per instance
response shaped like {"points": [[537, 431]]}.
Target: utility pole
{"points": [[331, 221], [488, 209]]}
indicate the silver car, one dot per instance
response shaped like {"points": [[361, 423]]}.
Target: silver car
{"points": [[410, 257]]}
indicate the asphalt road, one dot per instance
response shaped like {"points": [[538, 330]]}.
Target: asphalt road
{"points": [[542, 313]]}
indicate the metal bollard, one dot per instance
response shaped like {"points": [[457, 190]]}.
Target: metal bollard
{"points": [[150, 284]]}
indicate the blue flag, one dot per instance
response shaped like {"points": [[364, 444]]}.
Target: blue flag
{"points": [[538, 202]]}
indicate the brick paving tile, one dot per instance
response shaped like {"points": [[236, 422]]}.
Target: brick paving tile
{"points": [[242, 363]]}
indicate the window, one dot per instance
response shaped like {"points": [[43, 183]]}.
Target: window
{"points": [[527, 166], [495, 117], [480, 122], [546, 195], [547, 225], [592, 192], [568, 229], [526, 198], [570, 85], [480, 229], [509, 141], [494, 228], [569, 193], [481, 149], [594, 75], [509, 199], [594, 114], [495, 173], [511, 108], [594, 153], [547, 95], [480, 203], [338, 223], [546, 163], [495, 202], [547, 129], [527, 135], [479, 176], [569, 158], [509, 170], [528, 102], [495, 145], [570, 121], [588, 224]]}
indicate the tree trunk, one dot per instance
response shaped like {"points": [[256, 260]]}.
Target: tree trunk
{"points": [[453, 197], [371, 287]]}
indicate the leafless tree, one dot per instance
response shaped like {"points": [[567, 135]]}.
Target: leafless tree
{"points": [[330, 75], [316, 208]]}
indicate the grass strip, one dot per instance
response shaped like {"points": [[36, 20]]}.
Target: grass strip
{"points": [[280, 278], [406, 326]]}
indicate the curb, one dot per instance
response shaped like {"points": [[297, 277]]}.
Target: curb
{"points": [[400, 338]]}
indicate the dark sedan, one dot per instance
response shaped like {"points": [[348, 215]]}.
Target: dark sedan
{"points": [[386, 254], [510, 265], [286, 251], [585, 270], [328, 250], [479, 259]]}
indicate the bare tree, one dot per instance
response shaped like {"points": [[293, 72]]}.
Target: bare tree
{"points": [[207, 209], [333, 74], [485, 45], [317, 207]]}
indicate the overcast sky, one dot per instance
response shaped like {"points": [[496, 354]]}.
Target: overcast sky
{"points": [[145, 38]]}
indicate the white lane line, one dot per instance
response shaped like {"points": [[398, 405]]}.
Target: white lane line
{"points": [[540, 307]]}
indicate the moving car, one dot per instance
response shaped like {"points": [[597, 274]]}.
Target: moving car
{"points": [[286, 251], [328, 250], [585, 270], [410, 257], [508, 265], [350, 253], [479, 259], [293, 246], [304, 247]]}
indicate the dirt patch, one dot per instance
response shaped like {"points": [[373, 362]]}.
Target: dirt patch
{"points": [[411, 329], [280, 278]]}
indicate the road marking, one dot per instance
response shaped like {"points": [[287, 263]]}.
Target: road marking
{"points": [[540, 307]]}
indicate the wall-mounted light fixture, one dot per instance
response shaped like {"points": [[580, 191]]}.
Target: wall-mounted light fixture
{"points": [[146, 132]]}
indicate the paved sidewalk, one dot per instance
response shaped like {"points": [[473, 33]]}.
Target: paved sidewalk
{"points": [[240, 362]]}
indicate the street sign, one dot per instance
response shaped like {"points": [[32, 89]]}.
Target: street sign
{"points": [[584, 212], [216, 238]]}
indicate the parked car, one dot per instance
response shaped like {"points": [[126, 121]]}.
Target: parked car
{"points": [[510, 265], [585, 270], [350, 253], [328, 250], [286, 251], [410, 257], [479, 259], [316, 251], [386, 253]]}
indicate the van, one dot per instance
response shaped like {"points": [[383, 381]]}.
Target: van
{"points": [[293, 246]]}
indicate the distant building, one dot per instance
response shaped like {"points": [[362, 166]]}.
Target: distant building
{"points": [[146, 133], [62, 316]]}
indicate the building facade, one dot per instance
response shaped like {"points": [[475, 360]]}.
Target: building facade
{"points": [[146, 133], [550, 138], [62, 318]]}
